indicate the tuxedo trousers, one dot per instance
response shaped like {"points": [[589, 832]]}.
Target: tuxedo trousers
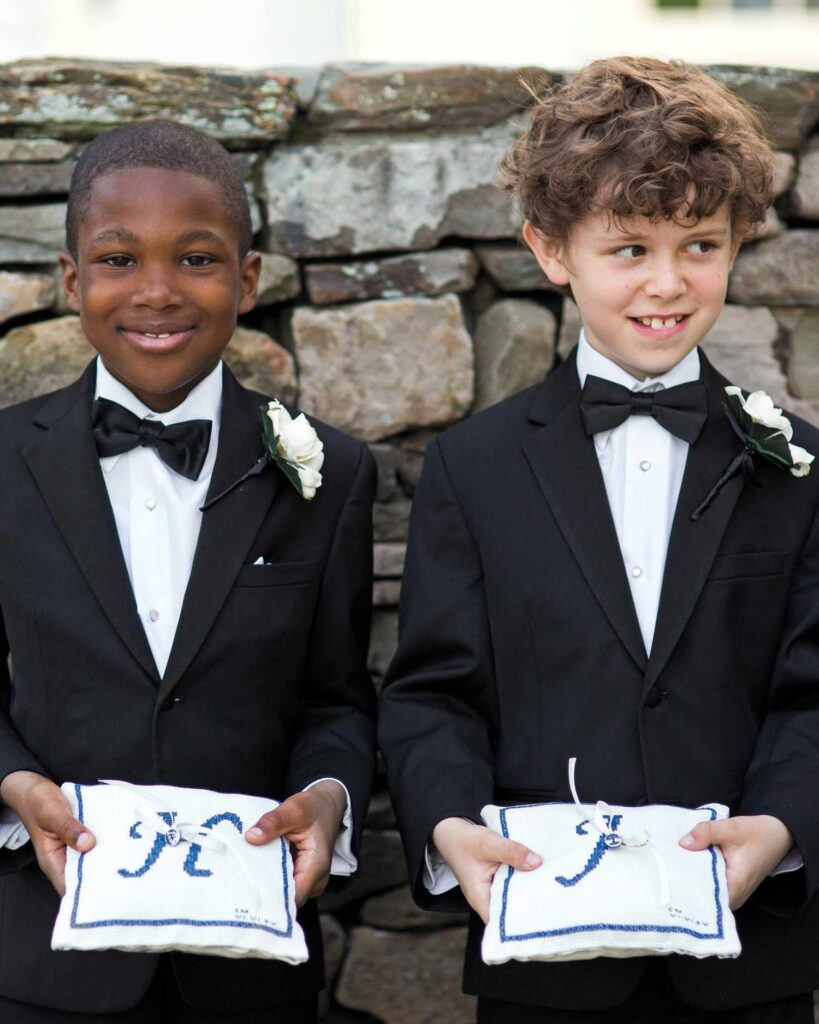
{"points": [[162, 1004], [654, 1001]]}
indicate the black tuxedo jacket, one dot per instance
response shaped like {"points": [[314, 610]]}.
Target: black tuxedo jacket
{"points": [[520, 647], [266, 689]]}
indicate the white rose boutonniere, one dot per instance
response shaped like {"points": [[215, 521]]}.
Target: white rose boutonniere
{"points": [[295, 447], [764, 431], [767, 431]]}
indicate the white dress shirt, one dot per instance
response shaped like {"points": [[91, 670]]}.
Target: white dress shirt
{"points": [[642, 466], [158, 517]]}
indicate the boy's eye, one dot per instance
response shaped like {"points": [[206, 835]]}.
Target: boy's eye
{"points": [[119, 261], [702, 247], [197, 259], [630, 252]]}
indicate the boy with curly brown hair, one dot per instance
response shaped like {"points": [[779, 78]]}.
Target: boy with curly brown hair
{"points": [[584, 578]]}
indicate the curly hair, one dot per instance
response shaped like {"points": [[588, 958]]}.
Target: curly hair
{"points": [[635, 136], [163, 144]]}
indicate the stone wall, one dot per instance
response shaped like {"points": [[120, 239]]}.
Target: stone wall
{"points": [[395, 300]]}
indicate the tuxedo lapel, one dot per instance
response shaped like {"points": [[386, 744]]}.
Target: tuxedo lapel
{"points": [[65, 465], [693, 545], [228, 527], [564, 461]]}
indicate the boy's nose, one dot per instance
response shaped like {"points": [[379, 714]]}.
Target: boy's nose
{"points": [[665, 279], [156, 290]]}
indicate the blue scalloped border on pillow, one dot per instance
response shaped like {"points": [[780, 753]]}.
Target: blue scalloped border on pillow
{"points": [[602, 926], [136, 922]]}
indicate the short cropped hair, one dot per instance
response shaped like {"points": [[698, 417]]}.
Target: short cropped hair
{"points": [[635, 136], [162, 144]]}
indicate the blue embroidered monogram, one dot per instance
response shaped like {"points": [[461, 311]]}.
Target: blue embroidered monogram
{"points": [[173, 837], [196, 887], [609, 841]]}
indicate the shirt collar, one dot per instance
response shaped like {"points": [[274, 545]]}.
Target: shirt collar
{"points": [[203, 403], [594, 363]]}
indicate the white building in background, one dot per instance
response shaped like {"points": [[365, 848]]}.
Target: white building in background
{"points": [[550, 33]]}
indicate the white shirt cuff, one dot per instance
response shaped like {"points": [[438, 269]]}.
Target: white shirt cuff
{"points": [[343, 863], [792, 861], [13, 833], [437, 877]]}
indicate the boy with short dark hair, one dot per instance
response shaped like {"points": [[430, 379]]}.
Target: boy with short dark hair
{"points": [[169, 621], [585, 579]]}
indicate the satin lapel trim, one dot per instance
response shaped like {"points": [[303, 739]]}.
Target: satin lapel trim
{"points": [[65, 465], [692, 546], [565, 464], [228, 528]]}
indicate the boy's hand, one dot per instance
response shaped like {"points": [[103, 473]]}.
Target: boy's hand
{"points": [[752, 845], [310, 822], [47, 816], [474, 853]]}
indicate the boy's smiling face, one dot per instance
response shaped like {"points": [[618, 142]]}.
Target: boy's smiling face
{"points": [[648, 291], [157, 279]]}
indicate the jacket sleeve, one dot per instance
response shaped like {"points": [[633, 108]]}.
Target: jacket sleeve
{"points": [[438, 706], [14, 755], [783, 775], [336, 737]]}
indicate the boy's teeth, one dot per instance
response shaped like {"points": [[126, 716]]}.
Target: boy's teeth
{"points": [[149, 335], [657, 323]]}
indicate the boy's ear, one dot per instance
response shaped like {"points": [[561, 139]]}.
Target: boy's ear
{"points": [[249, 272], [71, 280], [548, 252]]}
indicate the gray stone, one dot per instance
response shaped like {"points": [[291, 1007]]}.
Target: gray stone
{"points": [[741, 346], [570, 324], [380, 813], [305, 81], [513, 268], [802, 328], [33, 150], [378, 97], [377, 368], [388, 560], [256, 219], [786, 100], [32, 234], [399, 468], [383, 641], [805, 195], [396, 911], [386, 593], [278, 281], [381, 867], [42, 357], [80, 98], [769, 228], [355, 195], [29, 179], [261, 364], [807, 410], [421, 273], [778, 272], [514, 347], [25, 293], [784, 168], [391, 520], [407, 978]]}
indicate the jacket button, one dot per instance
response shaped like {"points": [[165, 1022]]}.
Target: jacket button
{"points": [[171, 702], [653, 697]]}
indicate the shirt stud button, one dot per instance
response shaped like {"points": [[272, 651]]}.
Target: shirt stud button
{"points": [[153, 615], [645, 466], [636, 572], [150, 504]]}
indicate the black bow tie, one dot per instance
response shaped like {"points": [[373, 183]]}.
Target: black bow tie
{"points": [[681, 410], [182, 446]]}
